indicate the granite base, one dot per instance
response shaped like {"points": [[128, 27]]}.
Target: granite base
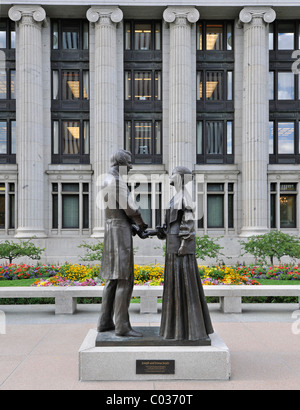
{"points": [[120, 363]]}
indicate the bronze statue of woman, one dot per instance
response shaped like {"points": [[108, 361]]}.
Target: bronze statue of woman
{"points": [[185, 314]]}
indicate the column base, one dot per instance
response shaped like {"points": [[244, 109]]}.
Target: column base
{"points": [[253, 231], [98, 233], [26, 233]]}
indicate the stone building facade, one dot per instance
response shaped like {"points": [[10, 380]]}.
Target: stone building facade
{"points": [[213, 87]]}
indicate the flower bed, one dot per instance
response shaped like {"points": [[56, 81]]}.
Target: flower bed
{"points": [[151, 275]]}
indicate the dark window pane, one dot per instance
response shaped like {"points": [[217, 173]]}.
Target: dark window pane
{"points": [[54, 211], [142, 137], [214, 86], [230, 211], [12, 212], [70, 85], [288, 211], [70, 38], [3, 85], [71, 137], [286, 86], [2, 206], [3, 137], [214, 137], [70, 204], [286, 36], [215, 211], [200, 37], [286, 138], [70, 187], [273, 211], [2, 35], [271, 137], [85, 216], [214, 37], [142, 36], [215, 187], [142, 85], [158, 138]]}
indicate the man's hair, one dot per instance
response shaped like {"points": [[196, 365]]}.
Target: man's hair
{"points": [[120, 157]]}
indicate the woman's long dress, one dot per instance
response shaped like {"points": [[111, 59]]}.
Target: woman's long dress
{"points": [[185, 315]]}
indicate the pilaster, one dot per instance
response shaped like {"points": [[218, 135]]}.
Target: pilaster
{"points": [[181, 138], [255, 119], [29, 115], [105, 91]]}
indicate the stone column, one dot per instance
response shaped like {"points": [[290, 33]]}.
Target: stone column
{"points": [[181, 138], [29, 115], [255, 119], [105, 91]]}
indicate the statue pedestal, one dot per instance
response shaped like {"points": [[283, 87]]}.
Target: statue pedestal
{"points": [[103, 356]]}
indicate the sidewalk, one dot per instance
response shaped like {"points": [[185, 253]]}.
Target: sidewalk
{"points": [[40, 350]]}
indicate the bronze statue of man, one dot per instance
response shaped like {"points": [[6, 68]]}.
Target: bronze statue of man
{"points": [[122, 218]]}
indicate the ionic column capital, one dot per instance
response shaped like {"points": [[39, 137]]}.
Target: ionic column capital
{"points": [[100, 14], [249, 14], [35, 13], [181, 15]]}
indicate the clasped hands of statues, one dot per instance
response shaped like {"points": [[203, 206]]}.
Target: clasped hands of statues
{"points": [[160, 232]]}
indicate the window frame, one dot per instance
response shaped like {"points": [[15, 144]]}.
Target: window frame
{"points": [[281, 61], [215, 61], [224, 157], [61, 157], [228, 217], [76, 60], [57, 208], [151, 158], [10, 202], [143, 110], [276, 194]]}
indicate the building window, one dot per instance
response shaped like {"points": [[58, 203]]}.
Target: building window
{"points": [[215, 92], [215, 36], [142, 36], [70, 92], [218, 213], [214, 85], [284, 93], [70, 141], [283, 203], [7, 92], [143, 139], [143, 91], [7, 34], [7, 206], [148, 197], [284, 146], [70, 85], [214, 141], [70, 35], [7, 140], [70, 206]]}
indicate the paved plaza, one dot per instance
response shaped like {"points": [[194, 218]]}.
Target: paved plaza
{"points": [[39, 350]]}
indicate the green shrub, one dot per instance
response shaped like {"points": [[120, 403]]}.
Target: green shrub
{"points": [[274, 244]]}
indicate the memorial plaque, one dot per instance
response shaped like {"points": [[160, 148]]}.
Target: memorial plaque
{"points": [[155, 367]]}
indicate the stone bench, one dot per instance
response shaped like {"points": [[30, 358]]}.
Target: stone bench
{"points": [[66, 297], [230, 296]]}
